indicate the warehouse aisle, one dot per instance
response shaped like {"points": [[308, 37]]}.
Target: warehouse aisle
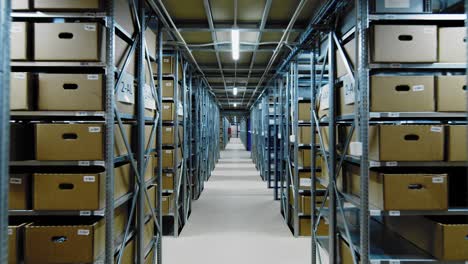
{"points": [[236, 220]]}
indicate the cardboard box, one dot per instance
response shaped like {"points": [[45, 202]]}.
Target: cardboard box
{"points": [[19, 192], [67, 4], [444, 237], [452, 44], [399, 192], [304, 158], [168, 135], [70, 92], [404, 43], [123, 16], [169, 111], [122, 48], [128, 256], [152, 195], [150, 168], [151, 42], [304, 135], [168, 158], [15, 243], [20, 96], [123, 180], [306, 201], [54, 142], [451, 93], [350, 51], [346, 255], [58, 242], [149, 259], [19, 41], [457, 143], [168, 181], [402, 94], [148, 129], [305, 227], [167, 203], [419, 142], [20, 5], [168, 90], [21, 141], [304, 113], [67, 41], [149, 232], [119, 148]]}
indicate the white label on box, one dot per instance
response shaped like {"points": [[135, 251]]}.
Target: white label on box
{"points": [[374, 212], [374, 163], [438, 180], [168, 175], [168, 152], [279, 136], [99, 163], [126, 89], [81, 114], [349, 90], [85, 213], [397, 4], [180, 110], [89, 179], [10, 231], [393, 114], [83, 232], [84, 163], [292, 138], [391, 164], [305, 182], [100, 212], [436, 129], [429, 30], [166, 107], [168, 84], [272, 122], [166, 60], [394, 213], [16, 28], [259, 106], [355, 148], [150, 101], [94, 129], [93, 77], [324, 102], [90, 27], [16, 181], [394, 262], [418, 88], [19, 75], [168, 129]]}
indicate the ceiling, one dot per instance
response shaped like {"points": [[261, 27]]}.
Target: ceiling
{"points": [[206, 27]]}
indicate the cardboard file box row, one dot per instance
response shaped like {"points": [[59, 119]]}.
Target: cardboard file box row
{"points": [[54, 4], [66, 191]]}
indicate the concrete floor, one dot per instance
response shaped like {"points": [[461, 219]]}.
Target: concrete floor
{"points": [[236, 220]]}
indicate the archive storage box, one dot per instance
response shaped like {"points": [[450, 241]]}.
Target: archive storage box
{"points": [[350, 51], [19, 41], [15, 242], [402, 94], [150, 167], [457, 143], [128, 256], [168, 112], [305, 227], [67, 42], [149, 259], [304, 113], [148, 130], [169, 133], [20, 5], [168, 181], [167, 203], [304, 158], [452, 44], [65, 5], [404, 43], [451, 93], [168, 157], [123, 16], [444, 237], [306, 201], [304, 135], [419, 142], [148, 232], [70, 92], [19, 193], [20, 95], [346, 255], [152, 196], [77, 191], [400, 191]]}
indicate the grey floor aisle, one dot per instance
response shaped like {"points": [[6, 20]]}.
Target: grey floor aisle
{"points": [[236, 221]]}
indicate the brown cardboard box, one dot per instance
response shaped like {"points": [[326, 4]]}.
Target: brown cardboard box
{"points": [[152, 195], [168, 135], [67, 41], [304, 112], [402, 94], [350, 49], [128, 256], [169, 111], [304, 158], [304, 177], [323, 101], [167, 203], [123, 180], [70, 92], [306, 201], [19, 41], [346, 255], [67, 4], [19, 193], [444, 237], [149, 232], [452, 44], [148, 129], [120, 149], [451, 93], [168, 89], [305, 227], [405, 43], [168, 158], [20, 5], [406, 143], [168, 181], [149, 258], [15, 243], [123, 16], [392, 191], [149, 172], [121, 215], [58, 242], [345, 98], [20, 97], [457, 143], [304, 135], [69, 142], [121, 50]]}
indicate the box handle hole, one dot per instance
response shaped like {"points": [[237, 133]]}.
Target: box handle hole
{"points": [[402, 88], [66, 186], [70, 86], [415, 186], [69, 136], [464, 88], [65, 35], [412, 137], [405, 38], [59, 239]]}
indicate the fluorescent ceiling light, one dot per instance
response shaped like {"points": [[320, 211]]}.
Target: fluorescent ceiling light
{"points": [[235, 43], [235, 104], [234, 91]]}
